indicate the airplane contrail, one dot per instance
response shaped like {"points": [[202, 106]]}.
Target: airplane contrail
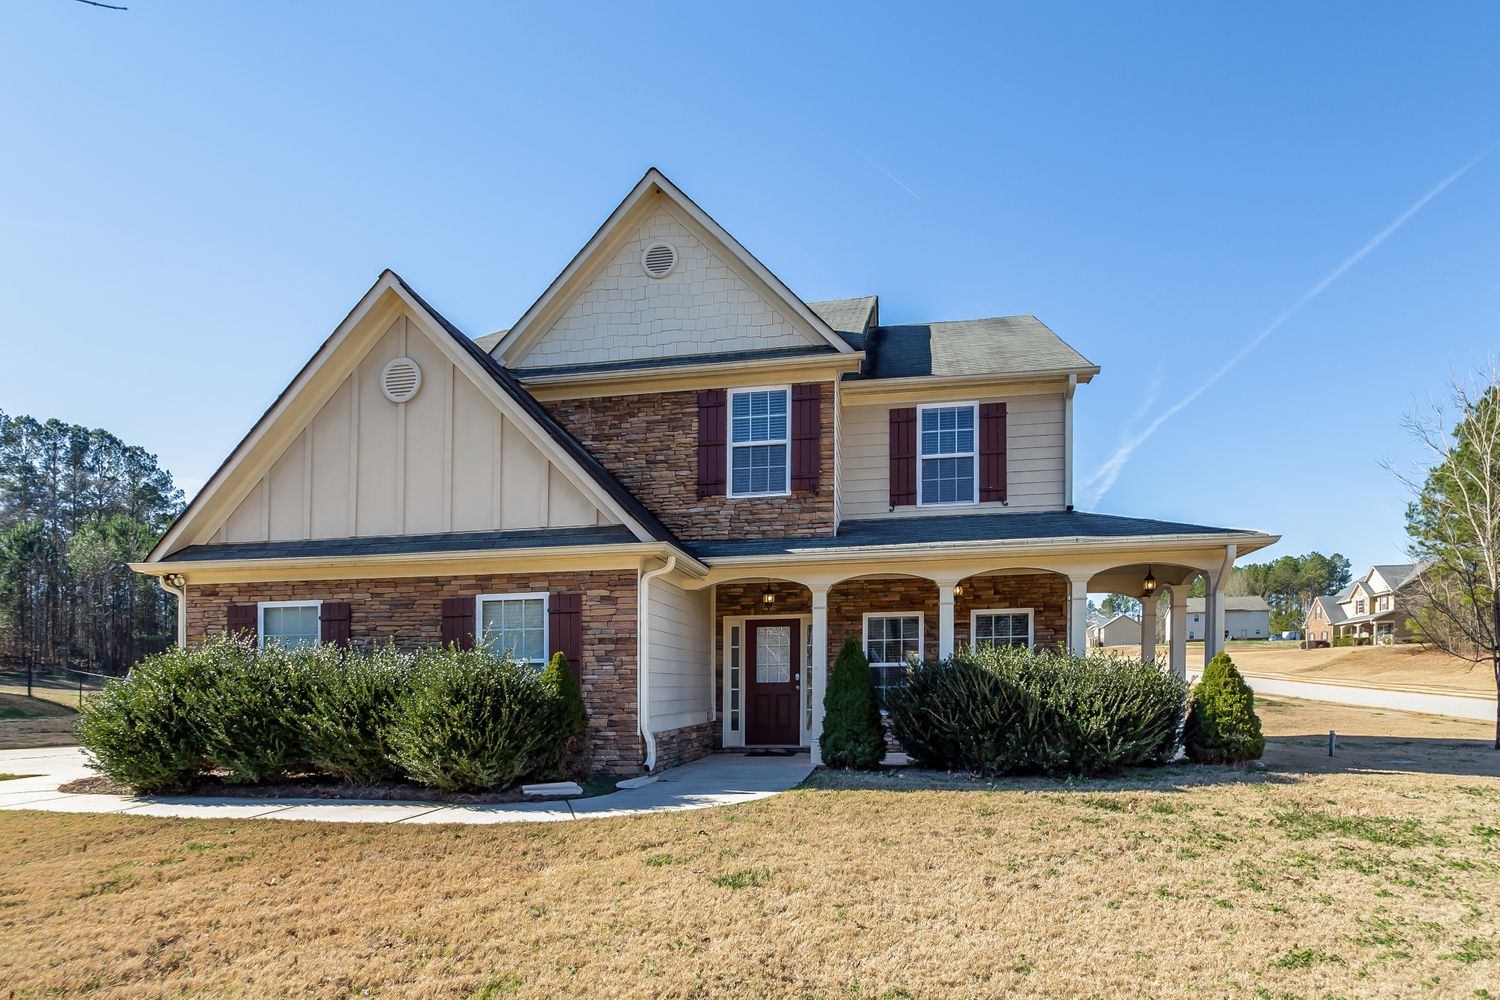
{"points": [[1104, 477]]}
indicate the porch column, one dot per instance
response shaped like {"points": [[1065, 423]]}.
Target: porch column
{"points": [[1213, 606], [1210, 639], [1078, 614], [1148, 628], [945, 620], [819, 669], [1178, 639]]}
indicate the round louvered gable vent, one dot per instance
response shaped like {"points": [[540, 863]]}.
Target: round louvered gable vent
{"points": [[400, 380], [659, 259]]}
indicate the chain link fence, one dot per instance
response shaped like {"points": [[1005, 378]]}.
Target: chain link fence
{"points": [[59, 685]]}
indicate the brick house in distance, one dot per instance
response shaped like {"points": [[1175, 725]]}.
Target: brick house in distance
{"points": [[684, 476]]}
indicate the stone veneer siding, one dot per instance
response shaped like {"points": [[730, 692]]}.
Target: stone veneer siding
{"points": [[650, 443], [408, 611], [678, 746], [1045, 593]]}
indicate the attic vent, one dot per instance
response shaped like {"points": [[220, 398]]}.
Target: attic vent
{"points": [[400, 380], [659, 259]]}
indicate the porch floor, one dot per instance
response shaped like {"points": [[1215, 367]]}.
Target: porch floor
{"points": [[716, 780]]}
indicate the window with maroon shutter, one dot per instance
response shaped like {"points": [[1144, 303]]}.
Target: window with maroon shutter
{"points": [[243, 618], [565, 629], [333, 623], [992, 474], [807, 434], [458, 622], [711, 457], [903, 457]]}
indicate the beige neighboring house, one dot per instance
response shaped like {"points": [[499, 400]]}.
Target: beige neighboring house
{"points": [[1121, 630], [686, 477], [1373, 609], [1244, 618]]}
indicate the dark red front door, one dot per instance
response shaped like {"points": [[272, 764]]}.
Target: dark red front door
{"points": [[774, 657]]}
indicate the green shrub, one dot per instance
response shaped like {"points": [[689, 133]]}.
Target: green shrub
{"points": [[140, 730], [1342, 640], [852, 733], [1222, 726], [249, 711], [473, 721], [1014, 710], [572, 721], [351, 705]]}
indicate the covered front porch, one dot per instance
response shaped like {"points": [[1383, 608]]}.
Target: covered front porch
{"points": [[778, 623]]}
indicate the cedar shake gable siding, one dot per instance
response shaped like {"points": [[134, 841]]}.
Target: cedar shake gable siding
{"points": [[408, 611], [649, 442]]}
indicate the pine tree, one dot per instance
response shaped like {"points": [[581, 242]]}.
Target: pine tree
{"points": [[852, 733], [1222, 727]]}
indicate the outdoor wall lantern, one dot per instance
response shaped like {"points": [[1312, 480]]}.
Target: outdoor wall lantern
{"points": [[177, 580], [1148, 585], [958, 590], [767, 597]]}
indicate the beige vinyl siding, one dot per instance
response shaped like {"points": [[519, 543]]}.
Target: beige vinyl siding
{"points": [[448, 460], [678, 630], [1035, 458]]}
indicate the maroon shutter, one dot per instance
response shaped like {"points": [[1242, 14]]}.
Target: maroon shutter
{"points": [[711, 427], [992, 474], [565, 628], [807, 435], [904, 456], [333, 622], [243, 618], [458, 622]]}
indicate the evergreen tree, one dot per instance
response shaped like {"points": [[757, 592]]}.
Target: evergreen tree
{"points": [[1222, 727], [852, 731]]}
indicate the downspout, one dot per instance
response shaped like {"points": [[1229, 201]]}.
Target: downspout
{"points": [[642, 658], [179, 591]]}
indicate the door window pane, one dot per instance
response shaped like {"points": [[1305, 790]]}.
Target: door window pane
{"points": [[773, 654]]}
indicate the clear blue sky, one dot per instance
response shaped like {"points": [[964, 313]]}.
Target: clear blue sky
{"points": [[194, 194]]}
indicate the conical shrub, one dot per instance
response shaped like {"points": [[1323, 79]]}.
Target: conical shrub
{"points": [[852, 734], [1222, 727]]}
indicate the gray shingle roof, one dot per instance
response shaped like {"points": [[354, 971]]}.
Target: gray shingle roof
{"points": [[1396, 574], [673, 361], [957, 528], [1251, 603], [1005, 345], [850, 318], [1332, 613], [488, 341], [457, 541]]}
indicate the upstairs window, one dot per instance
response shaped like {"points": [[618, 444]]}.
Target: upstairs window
{"points": [[290, 624], [758, 440], [514, 624], [949, 466], [1359, 606]]}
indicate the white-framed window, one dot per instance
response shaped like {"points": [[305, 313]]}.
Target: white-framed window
{"points": [[1002, 627], [1359, 606], [514, 624], [289, 624], [892, 641], [760, 442], [948, 455]]}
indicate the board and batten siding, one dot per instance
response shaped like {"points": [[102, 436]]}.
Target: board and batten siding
{"points": [[447, 460], [1035, 458], [680, 635]]}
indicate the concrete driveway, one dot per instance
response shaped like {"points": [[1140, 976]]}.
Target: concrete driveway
{"points": [[718, 780]]}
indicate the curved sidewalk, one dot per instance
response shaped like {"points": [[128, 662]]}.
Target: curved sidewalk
{"points": [[718, 780], [1459, 706]]}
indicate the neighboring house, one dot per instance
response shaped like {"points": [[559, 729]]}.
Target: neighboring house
{"points": [[1244, 618], [1373, 609], [1121, 630], [678, 472]]}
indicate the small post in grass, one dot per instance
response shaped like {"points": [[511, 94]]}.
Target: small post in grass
{"points": [[1333, 741]]}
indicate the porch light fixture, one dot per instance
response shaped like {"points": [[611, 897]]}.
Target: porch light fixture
{"points": [[176, 580], [1148, 585], [958, 590], [767, 597]]}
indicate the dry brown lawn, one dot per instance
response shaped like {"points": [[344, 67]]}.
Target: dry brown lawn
{"points": [[1376, 873], [32, 722], [1399, 666]]}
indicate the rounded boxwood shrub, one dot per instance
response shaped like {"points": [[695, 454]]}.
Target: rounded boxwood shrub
{"points": [[1222, 727], [352, 701], [473, 721], [141, 729], [1009, 710], [852, 733]]}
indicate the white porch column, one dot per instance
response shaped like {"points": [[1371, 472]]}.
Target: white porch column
{"points": [[1213, 606], [819, 669], [1178, 625], [1078, 614], [1148, 628], [945, 620]]}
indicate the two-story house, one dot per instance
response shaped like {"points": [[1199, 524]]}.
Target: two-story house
{"points": [[678, 472], [1373, 609]]}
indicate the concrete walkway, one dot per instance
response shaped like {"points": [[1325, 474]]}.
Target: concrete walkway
{"points": [[1364, 696], [719, 780]]}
